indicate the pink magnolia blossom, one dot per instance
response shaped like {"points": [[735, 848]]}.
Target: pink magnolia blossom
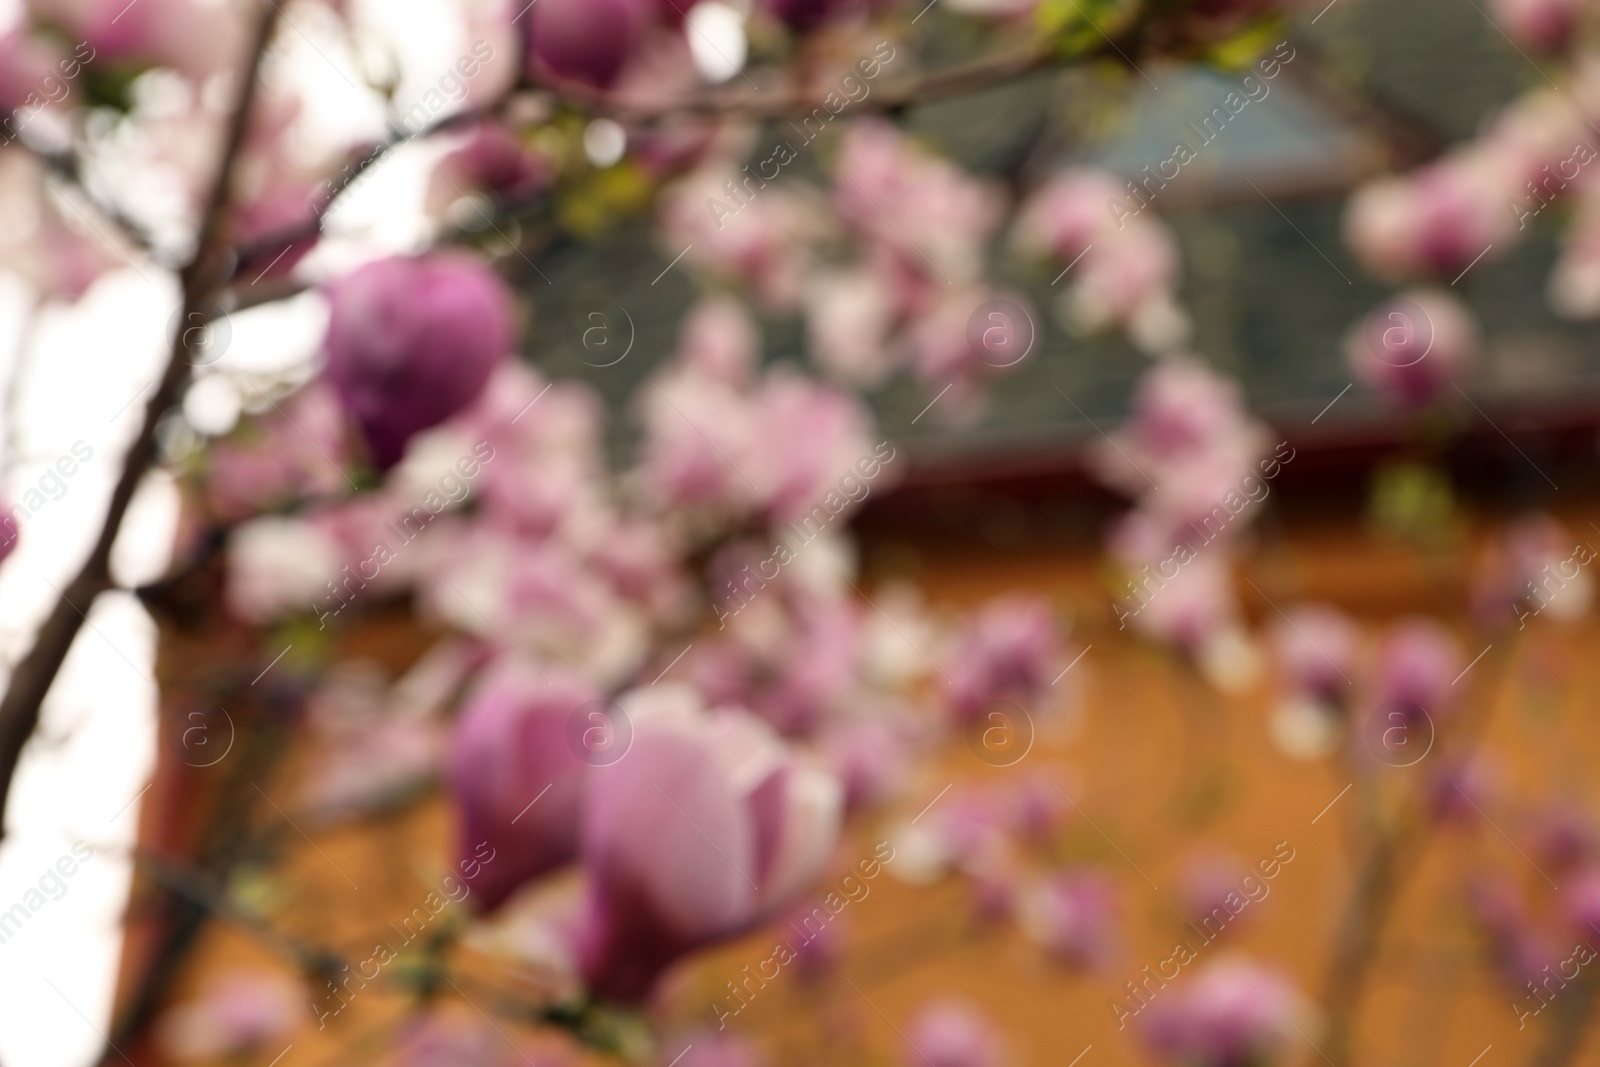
{"points": [[1316, 648], [708, 825], [1188, 449], [849, 317], [950, 1033], [1417, 663], [1067, 214], [1460, 790], [585, 40], [1581, 902], [1181, 406], [720, 341], [1124, 263], [1038, 807], [240, 1013], [278, 210], [932, 214], [698, 415], [1414, 348], [803, 15], [50, 248], [791, 655], [292, 451], [1563, 836], [763, 239], [1433, 222], [490, 159], [820, 952], [972, 826], [1534, 567], [1072, 914], [663, 67], [516, 781], [815, 674], [543, 465], [1233, 1013], [810, 439], [871, 757], [783, 446], [1546, 25], [29, 79], [1192, 609], [709, 1048], [411, 341], [541, 600], [196, 39], [1534, 139], [641, 561], [967, 337], [1009, 650], [694, 430], [441, 1040], [374, 535], [1205, 883], [1128, 280]]}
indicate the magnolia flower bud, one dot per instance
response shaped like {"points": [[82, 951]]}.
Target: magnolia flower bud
{"points": [[412, 340], [515, 780], [585, 40]]}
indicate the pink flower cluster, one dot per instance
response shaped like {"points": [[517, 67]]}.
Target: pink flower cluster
{"points": [[1233, 1013], [1398, 693], [1121, 272], [1193, 459], [888, 271], [706, 824]]}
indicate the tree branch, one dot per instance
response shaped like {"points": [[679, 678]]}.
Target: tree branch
{"points": [[800, 100], [202, 278], [716, 103], [1392, 858]]}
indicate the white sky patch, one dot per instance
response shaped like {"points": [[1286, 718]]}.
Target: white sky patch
{"points": [[717, 40], [604, 142]]}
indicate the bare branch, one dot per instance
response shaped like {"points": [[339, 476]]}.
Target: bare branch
{"points": [[800, 100]]}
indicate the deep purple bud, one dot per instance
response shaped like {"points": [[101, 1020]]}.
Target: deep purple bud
{"points": [[412, 340], [585, 40], [801, 14]]}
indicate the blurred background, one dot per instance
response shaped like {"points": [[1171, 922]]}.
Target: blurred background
{"points": [[978, 533]]}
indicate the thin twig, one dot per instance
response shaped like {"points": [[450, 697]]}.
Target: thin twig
{"points": [[731, 104], [798, 100], [1393, 857]]}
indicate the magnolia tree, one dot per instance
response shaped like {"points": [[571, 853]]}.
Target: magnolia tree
{"points": [[661, 695]]}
